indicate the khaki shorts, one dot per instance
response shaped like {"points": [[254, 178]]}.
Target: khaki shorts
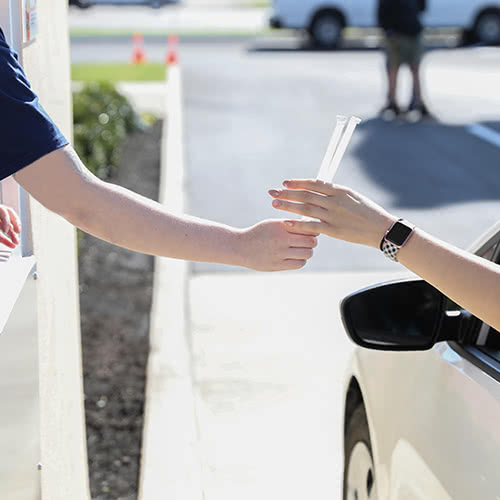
{"points": [[402, 49]]}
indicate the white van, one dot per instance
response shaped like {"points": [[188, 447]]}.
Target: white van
{"points": [[325, 19]]}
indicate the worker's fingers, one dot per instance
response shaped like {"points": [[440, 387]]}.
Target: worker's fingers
{"points": [[307, 226], [291, 264], [14, 220], [300, 253], [13, 236], [302, 241], [7, 242], [4, 220]]}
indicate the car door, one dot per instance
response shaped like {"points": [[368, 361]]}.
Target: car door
{"points": [[433, 416], [361, 13], [442, 13]]}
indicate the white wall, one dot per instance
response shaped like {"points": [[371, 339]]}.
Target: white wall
{"points": [[63, 446]]}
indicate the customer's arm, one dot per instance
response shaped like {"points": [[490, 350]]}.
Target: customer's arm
{"points": [[471, 281], [61, 182]]}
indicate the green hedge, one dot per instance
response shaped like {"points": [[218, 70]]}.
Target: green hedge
{"points": [[102, 119]]}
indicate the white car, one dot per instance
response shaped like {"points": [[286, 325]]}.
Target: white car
{"points": [[325, 19], [421, 425]]}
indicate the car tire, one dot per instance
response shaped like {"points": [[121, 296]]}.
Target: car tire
{"points": [[326, 30], [466, 38], [487, 28], [82, 4], [359, 469]]}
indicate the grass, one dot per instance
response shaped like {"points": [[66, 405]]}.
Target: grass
{"points": [[118, 72], [259, 4]]}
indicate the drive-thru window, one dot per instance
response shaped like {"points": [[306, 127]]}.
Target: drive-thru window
{"points": [[41, 419], [19, 418]]}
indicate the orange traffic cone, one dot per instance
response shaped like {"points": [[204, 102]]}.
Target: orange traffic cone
{"points": [[172, 56], [138, 52]]}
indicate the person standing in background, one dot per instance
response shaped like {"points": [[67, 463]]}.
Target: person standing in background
{"points": [[400, 20]]}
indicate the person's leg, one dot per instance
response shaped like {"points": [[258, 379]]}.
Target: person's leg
{"points": [[415, 58], [392, 71], [417, 88]]}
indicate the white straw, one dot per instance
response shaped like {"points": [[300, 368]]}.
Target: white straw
{"points": [[332, 147], [339, 141], [341, 149]]}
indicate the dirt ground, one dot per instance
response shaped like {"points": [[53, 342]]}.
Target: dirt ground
{"points": [[115, 300]]}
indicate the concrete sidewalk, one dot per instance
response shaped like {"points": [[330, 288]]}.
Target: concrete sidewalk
{"points": [[270, 355]]}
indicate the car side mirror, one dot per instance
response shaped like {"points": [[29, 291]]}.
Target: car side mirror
{"points": [[408, 315]]}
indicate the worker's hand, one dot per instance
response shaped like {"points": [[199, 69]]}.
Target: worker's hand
{"points": [[10, 227], [340, 212], [272, 246]]}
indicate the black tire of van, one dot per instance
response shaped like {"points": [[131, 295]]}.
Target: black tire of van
{"points": [[82, 4], [326, 29], [487, 27], [357, 433]]}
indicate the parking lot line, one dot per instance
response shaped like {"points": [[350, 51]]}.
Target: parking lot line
{"points": [[485, 133]]}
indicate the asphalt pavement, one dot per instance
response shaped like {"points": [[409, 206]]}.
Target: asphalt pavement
{"points": [[261, 110], [257, 114]]}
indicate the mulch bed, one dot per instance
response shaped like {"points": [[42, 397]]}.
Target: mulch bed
{"points": [[115, 302]]}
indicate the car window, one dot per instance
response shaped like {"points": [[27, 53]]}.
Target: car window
{"points": [[489, 338]]}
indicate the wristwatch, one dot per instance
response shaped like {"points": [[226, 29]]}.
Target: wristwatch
{"points": [[395, 238]]}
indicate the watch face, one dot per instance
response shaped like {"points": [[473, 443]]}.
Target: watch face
{"points": [[399, 233]]}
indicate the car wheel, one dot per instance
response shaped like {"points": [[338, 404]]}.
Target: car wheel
{"points": [[83, 4], [326, 30], [487, 28], [359, 470]]}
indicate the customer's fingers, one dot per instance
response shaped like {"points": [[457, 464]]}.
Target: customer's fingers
{"points": [[301, 209], [311, 185], [301, 196]]}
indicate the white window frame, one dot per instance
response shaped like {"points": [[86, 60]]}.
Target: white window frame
{"points": [[15, 271]]}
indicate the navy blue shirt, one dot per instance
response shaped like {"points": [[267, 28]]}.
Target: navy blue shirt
{"points": [[26, 131], [401, 16]]}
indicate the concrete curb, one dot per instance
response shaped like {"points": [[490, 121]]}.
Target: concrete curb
{"points": [[170, 467]]}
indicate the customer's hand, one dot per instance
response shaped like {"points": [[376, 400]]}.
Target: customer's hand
{"points": [[272, 246], [340, 212], [10, 227]]}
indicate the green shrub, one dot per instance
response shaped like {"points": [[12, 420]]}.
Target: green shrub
{"points": [[102, 120]]}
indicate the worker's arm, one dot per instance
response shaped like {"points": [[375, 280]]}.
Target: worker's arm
{"points": [[469, 280], [61, 182]]}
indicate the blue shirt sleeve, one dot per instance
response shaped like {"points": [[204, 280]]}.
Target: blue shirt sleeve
{"points": [[26, 131]]}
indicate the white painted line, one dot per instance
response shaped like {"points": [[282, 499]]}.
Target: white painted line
{"points": [[485, 133]]}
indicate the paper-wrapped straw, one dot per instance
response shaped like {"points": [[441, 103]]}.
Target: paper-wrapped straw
{"points": [[337, 147], [332, 147], [341, 149]]}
